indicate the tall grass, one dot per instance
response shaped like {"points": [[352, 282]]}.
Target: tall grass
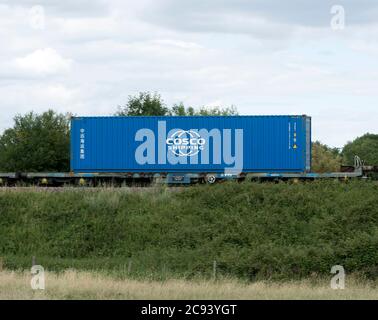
{"points": [[84, 285], [254, 231]]}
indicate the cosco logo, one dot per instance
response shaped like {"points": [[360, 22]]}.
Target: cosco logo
{"points": [[185, 143]]}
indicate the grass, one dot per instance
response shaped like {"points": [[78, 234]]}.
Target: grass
{"points": [[255, 231], [83, 285]]}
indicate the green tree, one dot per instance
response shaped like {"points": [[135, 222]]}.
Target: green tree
{"points": [[151, 104], [324, 158], [144, 104], [217, 111], [36, 143], [181, 110], [366, 147]]}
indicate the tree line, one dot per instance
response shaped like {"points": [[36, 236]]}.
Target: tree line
{"points": [[41, 142]]}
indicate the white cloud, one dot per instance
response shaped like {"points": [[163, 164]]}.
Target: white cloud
{"points": [[54, 94], [214, 104], [85, 29], [178, 44], [44, 61]]}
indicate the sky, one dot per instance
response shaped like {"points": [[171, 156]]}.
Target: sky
{"points": [[314, 57]]}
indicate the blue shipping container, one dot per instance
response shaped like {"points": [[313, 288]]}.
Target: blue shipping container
{"points": [[231, 144]]}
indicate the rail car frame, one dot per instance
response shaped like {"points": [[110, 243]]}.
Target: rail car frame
{"points": [[145, 178]]}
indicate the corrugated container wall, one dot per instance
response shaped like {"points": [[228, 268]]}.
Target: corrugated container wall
{"points": [[191, 144]]}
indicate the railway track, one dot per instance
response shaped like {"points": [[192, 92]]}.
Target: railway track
{"points": [[89, 189]]}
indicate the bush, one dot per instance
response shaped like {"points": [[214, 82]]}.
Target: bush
{"points": [[253, 231]]}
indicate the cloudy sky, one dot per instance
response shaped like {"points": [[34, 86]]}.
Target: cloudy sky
{"points": [[262, 56]]}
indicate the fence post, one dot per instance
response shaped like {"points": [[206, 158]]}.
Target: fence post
{"points": [[214, 270], [129, 267]]}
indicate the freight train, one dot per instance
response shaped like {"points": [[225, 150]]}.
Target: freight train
{"points": [[184, 150]]}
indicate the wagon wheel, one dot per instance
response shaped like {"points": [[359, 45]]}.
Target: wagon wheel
{"points": [[210, 179]]}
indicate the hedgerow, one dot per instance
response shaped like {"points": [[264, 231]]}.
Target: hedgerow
{"points": [[252, 230]]}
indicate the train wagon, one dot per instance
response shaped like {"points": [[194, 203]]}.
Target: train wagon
{"points": [[184, 150]]}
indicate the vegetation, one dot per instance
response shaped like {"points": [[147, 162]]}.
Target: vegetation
{"points": [[181, 110], [83, 285], [148, 104], [36, 143], [325, 159], [254, 231], [366, 147], [144, 104]]}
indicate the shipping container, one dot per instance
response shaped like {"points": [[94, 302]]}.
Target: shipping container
{"points": [[193, 144]]}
